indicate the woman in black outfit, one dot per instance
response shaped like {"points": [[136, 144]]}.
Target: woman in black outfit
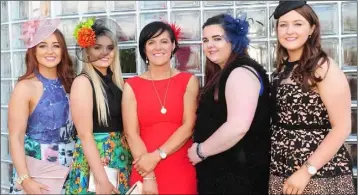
{"points": [[231, 149]]}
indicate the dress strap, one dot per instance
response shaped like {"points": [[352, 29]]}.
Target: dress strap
{"points": [[258, 77]]}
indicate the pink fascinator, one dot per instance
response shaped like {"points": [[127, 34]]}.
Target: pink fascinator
{"points": [[36, 30]]}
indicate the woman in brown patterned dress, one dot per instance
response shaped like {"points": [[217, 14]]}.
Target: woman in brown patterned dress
{"points": [[311, 113]]}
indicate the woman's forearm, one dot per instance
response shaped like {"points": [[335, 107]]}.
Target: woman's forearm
{"points": [[177, 139], [92, 155], [17, 152], [136, 145], [329, 147]]}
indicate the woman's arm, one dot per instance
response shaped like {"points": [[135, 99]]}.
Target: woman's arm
{"points": [[335, 94], [242, 94], [81, 101], [18, 115], [184, 132]]}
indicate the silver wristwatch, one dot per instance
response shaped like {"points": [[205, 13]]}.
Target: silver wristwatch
{"points": [[312, 170], [162, 154]]}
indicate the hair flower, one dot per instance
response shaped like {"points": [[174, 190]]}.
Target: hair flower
{"points": [[28, 30], [176, 29], [237, 30], [84, 34]]}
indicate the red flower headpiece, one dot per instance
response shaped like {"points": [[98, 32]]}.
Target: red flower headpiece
{"points": [[176, 29]]}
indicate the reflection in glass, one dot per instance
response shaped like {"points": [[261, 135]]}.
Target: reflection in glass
{"points": [[187, 58], [4, 146], [16, 30], [40, 8], [273, 45], [257, 21], [249, 2], [354, 121], [349, 17], [189, 21], [128, 24], [258, 51], [352, 80], [4, 120], [5, 65], [69, 7], [272, 23], [4, 11], [6, 89], [5, 43], [66, 27], [330, 46], [349, 51], [20, 10], [19, 63], [124, 5], [210, 13], [180, 4], [6, 173], [328, 17], [128, 60], [153, 5], [150, 17], [217, 3], [96, 6]]}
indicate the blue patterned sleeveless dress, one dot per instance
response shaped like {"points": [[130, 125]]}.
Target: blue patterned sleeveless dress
{"points": [[50, 131]]}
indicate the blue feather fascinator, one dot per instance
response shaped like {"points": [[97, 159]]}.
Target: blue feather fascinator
{"points": [[236, 31]]}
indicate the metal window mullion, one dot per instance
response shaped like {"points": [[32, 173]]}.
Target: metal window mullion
{"points": [[138, 58], [340, 50], [10, 45], [202, 45]]}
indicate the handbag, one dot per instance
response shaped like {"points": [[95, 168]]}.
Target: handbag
{"points": [[51, 174], [112, 174], [136, 188]]}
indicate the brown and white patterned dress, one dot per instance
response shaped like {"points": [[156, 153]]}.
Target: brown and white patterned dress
{"points": [[300, 123]]}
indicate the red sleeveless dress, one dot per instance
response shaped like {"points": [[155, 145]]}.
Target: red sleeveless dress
{"points": [[175, 174]]}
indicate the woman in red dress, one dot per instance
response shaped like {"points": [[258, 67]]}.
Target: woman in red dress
{"points": [[158, 116]]}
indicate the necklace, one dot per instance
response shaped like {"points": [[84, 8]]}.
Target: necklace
{"points": [[163, 110]]}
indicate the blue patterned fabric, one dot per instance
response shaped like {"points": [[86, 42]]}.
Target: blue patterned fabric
{"points": [[51, 121]]}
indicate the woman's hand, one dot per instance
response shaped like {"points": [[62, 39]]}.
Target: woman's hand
{"points": [[297, 182], [32, 187], [106, 187], [150, 186], [146, 163], [193, 156]]}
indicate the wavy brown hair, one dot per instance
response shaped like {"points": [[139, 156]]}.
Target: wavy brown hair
{"points": [[65, 69], [313, 56]]}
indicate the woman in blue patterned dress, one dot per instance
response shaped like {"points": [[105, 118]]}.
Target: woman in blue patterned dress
{"points": [[40, 124]]}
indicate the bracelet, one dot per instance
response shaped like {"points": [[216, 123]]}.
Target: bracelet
{"points": [[149, 178], [22, 178], [198, 152]]}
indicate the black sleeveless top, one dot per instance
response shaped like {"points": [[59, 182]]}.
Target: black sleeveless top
{"points": [[114, 99], [249, 158]]}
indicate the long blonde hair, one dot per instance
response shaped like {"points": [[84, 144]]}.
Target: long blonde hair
{"points": [[99, 91]]}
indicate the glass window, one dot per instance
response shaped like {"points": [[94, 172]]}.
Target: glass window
{"points": [[5, 39], [19, 10], [6, 173], [4, 11], [217, 3], [354, 121], [4, 119], [128, 24], [153, 5], [96, 6], [257, 21], [249, 2], [19, 63], [210, 13], [352, 149], [349, 51], [258, 51], [4, 146], [66, 7], [124, 6], [331, 46], [352, 80], [16, 42], [147, 18], [328, 17], [182, 4], [349, 17], [67, 26], [189, 21], [5, 65], [128, 59], [187, 58], [272, 22], [6, 89], [76, 64], [40, 8], [273, 45], [5, 191]]}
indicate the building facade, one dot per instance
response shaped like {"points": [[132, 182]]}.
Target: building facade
{"points": [[339, 39]]}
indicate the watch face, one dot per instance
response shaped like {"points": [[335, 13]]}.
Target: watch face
{"points": [[312, 170]]}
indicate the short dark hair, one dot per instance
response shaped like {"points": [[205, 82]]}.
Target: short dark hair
{"points": [[150, 30]]}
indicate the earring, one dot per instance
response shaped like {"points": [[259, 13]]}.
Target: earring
{"points": [[309, 36], [146, 61]]}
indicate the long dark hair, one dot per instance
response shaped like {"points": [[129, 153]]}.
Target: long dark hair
{"points": [[313, 56], [65, 69], [212, 70]]}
